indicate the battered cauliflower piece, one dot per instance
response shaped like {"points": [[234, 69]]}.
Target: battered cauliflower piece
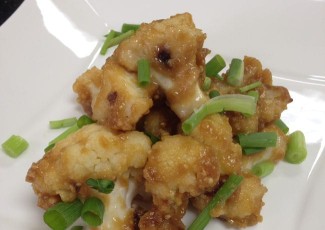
{"points": [[92, 152], [273, 154], [216, 132], [243, 207], [174, 49], [178, 167], [112, 96], [272, 101]]}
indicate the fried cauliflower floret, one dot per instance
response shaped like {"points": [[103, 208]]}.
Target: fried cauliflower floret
{"points": [[272, 101], [112, 96], [216, 132], [174, 49], [243, 207], [92, 152], [273, 154], [178, 167]]}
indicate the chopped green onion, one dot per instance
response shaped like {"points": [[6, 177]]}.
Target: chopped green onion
{"points": [[111, 40], [250, 86], [251, 150], [214, 66], [229, 102], [225, 191], [107, 42], [63, 135], [214, 93], [263, 169], [14, 146], [62, 215], [117, 33], [296, 148], [49, 147], [259, 140], [152, 137], [84, 120], [206, 84], [254, 93], [93, 211], [127, 27], [281, 125], [102, 185], [236, 72], [77, 227], [67, 122], [143, 72]]}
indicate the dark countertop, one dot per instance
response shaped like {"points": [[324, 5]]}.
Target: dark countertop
{"points": [[7, 7]]}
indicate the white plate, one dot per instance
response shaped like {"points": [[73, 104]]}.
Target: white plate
{"points": [[46, 44]]}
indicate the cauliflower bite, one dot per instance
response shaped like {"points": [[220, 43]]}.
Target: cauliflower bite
{"points": [[178, 167], [174, 49], [91, 152], [112, 96], [216, 132], [243, 207], [272, 101]]}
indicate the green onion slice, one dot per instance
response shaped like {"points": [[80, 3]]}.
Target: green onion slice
{"points": [[111, 40], [102, 185], [93, 211], [263, 169], [254, 93], [143, 72], [281, 125], [296, 148], [84, 120], [127, 27], [214, 66], [62, 215], [214, 93], [250, 86], [225, 191], [258, 140], [63, 135], [49, 147], [67, 122], [236, 72], [14, 146], [107, 42], [206, 84], [252, 150], [229, 102]]}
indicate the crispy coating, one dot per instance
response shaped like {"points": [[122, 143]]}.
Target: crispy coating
{"points": [[91, 152], [216, 132], [174, 49], [112, 96], [273, 154], [243, 207], [160, 121], [179, 167]]}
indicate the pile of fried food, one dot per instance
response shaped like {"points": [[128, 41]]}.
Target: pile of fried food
{"points": [[156, 183]]}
